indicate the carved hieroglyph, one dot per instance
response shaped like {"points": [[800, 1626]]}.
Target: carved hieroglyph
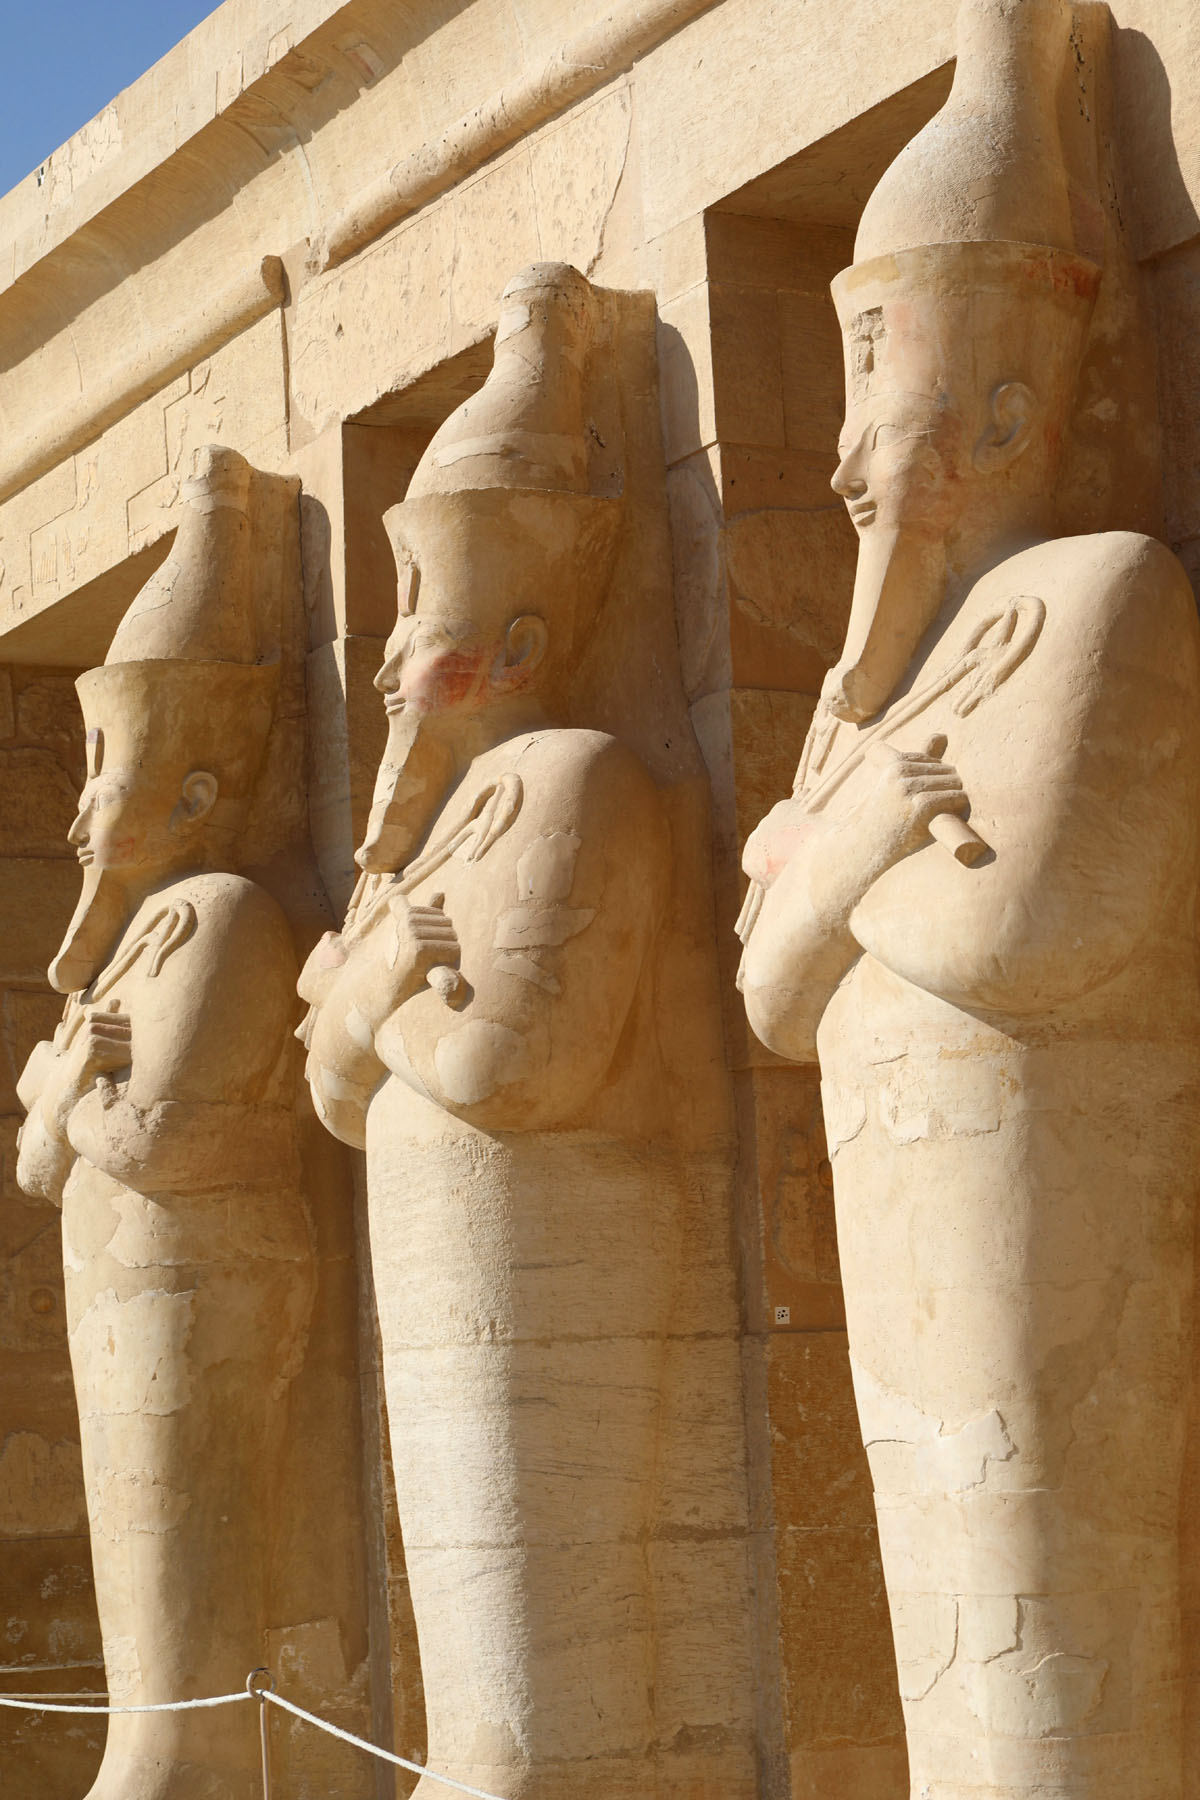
{"points": [[482, 1024], [162, 1118], [977, 910]]}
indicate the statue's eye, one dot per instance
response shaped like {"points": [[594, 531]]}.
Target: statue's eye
{"points": [[887, 434]]}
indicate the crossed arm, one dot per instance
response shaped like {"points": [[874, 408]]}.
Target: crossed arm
{"points": [[529, 1028], [1089, 802]]}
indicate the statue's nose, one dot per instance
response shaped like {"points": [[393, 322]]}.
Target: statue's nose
{"points": [[845, 482]]}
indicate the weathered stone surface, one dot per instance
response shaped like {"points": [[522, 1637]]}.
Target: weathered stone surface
{"points": [[37, 897], [161, 1120], [291, 235], [1005, 1011], [37, 801], [480, 1023]]}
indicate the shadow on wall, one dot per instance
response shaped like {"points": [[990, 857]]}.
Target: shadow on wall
{"points": [[1154, 195]]}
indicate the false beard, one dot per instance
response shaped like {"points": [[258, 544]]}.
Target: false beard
{"points": [[899, 584], [414, 775], [92, 935]]}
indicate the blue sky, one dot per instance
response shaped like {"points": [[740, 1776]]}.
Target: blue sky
{"points": [[66, 59]]}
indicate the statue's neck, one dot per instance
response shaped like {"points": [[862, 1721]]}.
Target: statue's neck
{"points": [[483, 731], [980, 543]]}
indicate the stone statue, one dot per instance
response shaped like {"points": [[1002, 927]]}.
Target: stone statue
{"points": [[977, 910], [483, 1023], [162, 1118]]}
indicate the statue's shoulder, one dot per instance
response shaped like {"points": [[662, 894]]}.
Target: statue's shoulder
{"points": [[1114, 599], [574, 757], [1105, 573], [220, 909]]}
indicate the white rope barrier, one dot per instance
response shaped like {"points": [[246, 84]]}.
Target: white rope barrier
{"points": [[262, 1694], [163, 1706], [386, 1755]]}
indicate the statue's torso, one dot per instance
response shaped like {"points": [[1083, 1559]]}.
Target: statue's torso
{"points": [[535, 862]]}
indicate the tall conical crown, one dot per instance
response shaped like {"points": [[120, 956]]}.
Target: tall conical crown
{"points": [[528, 426], [188, 685], [516, 501], [975, 212], [195, 607], [191, 671], [989, 167]]}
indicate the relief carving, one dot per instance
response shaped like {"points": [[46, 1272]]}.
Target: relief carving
{"points": [[481, 1024], [976, 910]]}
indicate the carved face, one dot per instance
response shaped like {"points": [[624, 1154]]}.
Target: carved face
{"points": [[443, 662], [436, 666], [132, 822], [902, 463], [121, 824]]}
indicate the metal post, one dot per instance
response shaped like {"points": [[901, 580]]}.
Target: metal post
{"points": [[260, 1683]]}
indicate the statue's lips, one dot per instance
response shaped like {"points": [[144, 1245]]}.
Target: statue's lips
{"points": [[861, 511], [394, 703], [85, 856]]}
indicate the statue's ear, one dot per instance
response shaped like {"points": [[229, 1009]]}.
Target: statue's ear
{"points": [[525, 645], [197, 797], [1012, 410]]}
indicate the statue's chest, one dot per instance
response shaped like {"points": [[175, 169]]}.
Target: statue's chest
{"points": [[970, 702], [130, 981], [501, 863]]}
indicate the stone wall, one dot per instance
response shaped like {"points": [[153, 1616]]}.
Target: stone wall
{"points": [[49, 1637]]}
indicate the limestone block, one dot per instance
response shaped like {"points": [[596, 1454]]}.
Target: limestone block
{"points": [[576, 168], [707, 1300], [790, 577], [47, 712], [1176, 287], [1160, 144], [344, 752], [747, 357], [679, 259], [37, 801], [26, 1016], [446, 63], [747, 56], [820, 1477], [44, 1753], [49, 1613], [761, 725], [701, 1472], [37, 897], [810, 371], [372, 326], [781, 1116], [31, 1310], [753, 479], [120, 493], [840, 1676], [698, 1588], [850, 1772], [21, 519], [41, 1487], [378, 462], [492, 217]]}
